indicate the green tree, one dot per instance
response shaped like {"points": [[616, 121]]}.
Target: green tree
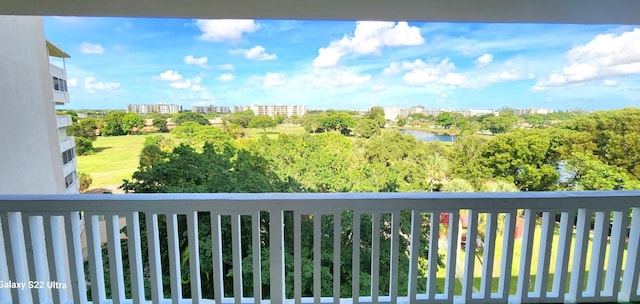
{"points": [[402, 122], [263, 122], [85, 181], [113, 124], [377, 114], [589, 173], [529, 158], [312, 122], [448, 119], [196, 135], [242, 118], [197, 117], [457, 185], [367, 128], [132, 122], [339, 121], [499, 124], [160, 124]]}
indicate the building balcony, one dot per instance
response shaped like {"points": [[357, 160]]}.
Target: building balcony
{"points": [[63, 121], [67, 143], [60, 97], [321, 248]]}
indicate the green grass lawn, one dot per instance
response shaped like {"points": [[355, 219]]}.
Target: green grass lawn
{"points": [[274, 132], [115, 159]]}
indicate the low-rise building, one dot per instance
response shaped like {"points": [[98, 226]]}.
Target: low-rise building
{"points": [[162, 108]]}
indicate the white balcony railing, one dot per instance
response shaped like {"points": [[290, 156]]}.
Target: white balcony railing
{"points": [[63, 121], [570, 251]]}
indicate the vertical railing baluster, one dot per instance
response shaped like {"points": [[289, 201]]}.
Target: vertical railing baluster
{"points": [[297, 257], [256, 254], [544, 255], [51, 256], [76, 264], [562, 261], [194, 257], [579, 256], [375, 256], [30, 251], [416, 223], [629, 288], [216, 254], [236, 253], [9, 245], [276, 248], [92, 228], [174, 258], [395, 256], [470, 255], [594, 279], [434, 231], [155, 267], [618, 236], [524, 277], [488, 254], [317, 262], [508, 236], [337, 235], [355, 266], [115, 258], [135, 257], [452, 254], [60, 253]]}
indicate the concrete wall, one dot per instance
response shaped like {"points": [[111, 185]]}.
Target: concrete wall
{"points": [[30, 159]]}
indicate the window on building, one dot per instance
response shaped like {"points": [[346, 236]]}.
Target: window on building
{"points": [[68, 156], [59, 84], [68, 180]]}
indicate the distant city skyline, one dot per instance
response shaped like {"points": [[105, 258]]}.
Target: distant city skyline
{"points": [[347, 64]]}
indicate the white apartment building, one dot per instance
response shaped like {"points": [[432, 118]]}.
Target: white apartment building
{"points": [[532, 111], [37, 150], [273, 110], [211, 108], [162, 108]]}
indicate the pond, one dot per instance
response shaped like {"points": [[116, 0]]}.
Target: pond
{"points": [[428, 136]]}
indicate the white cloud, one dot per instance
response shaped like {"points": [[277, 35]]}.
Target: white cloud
{"points": [[170, 75], [422, 73], [225, 29], [179, 82], [272, 80], [72, 82], [226, 67], [256, 53], [91, 85], [605, 56], [91, 48], [199, 61], [610, 83], [226, 77], [369, 38], [484, 60], [337, 77], [378, 88]]}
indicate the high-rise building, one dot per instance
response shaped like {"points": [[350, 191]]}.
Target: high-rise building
{"points": [[38, 155], [162, 108], [210, 108], [273, 110]]}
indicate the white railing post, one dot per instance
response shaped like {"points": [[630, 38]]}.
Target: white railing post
{"points": [[135, 257], [508, 236], [257, 268], [9, 247], [76, 263], [155, 268], [629, 288], [236, 253], [470, 255], [297, 257], [337, 225], [562, 262], [114, 250], [174, 258], [395, 256], [414, 253], [317, 257], [544, 255], [194, 257], [355, 266], [92, 227], [524, 276], [579, 256], [276, 251], [614, 267], [434, 231]]}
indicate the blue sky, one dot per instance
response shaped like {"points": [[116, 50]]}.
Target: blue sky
{"points": [[347, 64]]}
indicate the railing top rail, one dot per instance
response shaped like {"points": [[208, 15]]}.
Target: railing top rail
{"points": [[241, 202]]}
